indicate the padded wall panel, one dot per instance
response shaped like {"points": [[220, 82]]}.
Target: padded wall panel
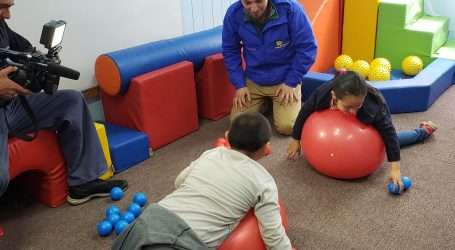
{"points": [[161, 103], [359, 28], [325, 19]]}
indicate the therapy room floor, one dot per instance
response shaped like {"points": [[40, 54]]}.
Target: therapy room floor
{"points": [[323, 213]]}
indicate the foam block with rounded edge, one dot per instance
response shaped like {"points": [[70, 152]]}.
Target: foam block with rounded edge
{"points": [[43, 171], [114, 70], [161, 103]]}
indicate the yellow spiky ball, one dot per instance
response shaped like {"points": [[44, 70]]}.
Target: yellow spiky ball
{"points": [[380, 61], [343, 62], [412, 65], [362, 67], [379, 73]]}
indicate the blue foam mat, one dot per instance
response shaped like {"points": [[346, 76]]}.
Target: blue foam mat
{"points": [[127, 147]]}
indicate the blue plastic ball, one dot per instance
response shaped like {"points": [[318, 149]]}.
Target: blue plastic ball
{"points": [[116, 193], [135, 209], [395, 191], [113, 219], [128, 217], [121, 224], [104, 228], [406, 182], [140, 199], [112, 209]]}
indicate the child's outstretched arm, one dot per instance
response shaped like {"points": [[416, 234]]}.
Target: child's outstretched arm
{"points": [[294, 150], [267, 211], [395, 175]]}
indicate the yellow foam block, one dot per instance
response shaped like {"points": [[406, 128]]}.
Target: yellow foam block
{"points": [[101, 130], [359, 28]]}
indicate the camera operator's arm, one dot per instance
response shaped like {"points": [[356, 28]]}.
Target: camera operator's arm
{"points": [[8, 88]]}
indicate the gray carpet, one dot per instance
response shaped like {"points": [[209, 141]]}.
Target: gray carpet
{"points": [[323, 213]]}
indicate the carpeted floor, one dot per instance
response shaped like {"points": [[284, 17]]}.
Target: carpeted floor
{"points": [[323, 213]]}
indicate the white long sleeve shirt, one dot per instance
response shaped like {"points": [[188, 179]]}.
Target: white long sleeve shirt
{"points": [[216, 191]]}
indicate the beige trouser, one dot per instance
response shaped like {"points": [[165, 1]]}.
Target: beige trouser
{"points": [[284, 117]]}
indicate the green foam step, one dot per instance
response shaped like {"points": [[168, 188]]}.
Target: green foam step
{"points": [[446, 51], [403, 30]]}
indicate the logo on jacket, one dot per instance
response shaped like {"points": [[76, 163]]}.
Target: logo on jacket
{"points": [[280, 44]]}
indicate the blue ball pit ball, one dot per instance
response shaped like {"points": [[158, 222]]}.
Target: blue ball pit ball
{"points": [[406, 182], [116, 193], [128, 217], [104, 228], [135, 209], [140, 198], [112, 209], [120, 226], [395, 191], [113, 219], [406, 185]]}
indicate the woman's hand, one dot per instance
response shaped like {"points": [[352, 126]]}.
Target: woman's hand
{"points": [[294, 150], [395, 176]]}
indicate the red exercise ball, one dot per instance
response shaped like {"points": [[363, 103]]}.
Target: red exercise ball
{"points": [[340, 146], [246, 236]]}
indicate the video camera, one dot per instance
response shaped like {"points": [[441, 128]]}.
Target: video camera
{"points": [[38, 71]]}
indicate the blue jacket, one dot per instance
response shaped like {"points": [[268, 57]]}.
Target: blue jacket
{"points": [[282, 53], [371, 113]]}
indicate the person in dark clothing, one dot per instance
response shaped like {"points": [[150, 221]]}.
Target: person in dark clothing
{"points": [[65, 112], [351, 94]]}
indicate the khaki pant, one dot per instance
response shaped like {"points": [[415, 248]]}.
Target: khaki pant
{"points": [[284, 117]]}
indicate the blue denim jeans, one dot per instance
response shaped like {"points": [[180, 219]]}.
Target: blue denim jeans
{"points": [[410, 137]]}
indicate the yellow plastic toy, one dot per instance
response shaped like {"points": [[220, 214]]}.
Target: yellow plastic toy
{"points": [[362, 67], [343, 62], [412, 65], [379, 73], [380, 61]]}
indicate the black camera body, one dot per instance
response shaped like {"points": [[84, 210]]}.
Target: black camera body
{"points": [[38, 71]]}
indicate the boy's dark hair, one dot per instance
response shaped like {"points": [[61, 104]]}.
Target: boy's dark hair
{"points": [[351, 83], [249, 132]]}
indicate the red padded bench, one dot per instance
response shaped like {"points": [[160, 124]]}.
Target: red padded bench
{"points": [[160, 103], [213, 89]]}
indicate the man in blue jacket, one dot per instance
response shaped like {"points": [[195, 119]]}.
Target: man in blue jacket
{"points": [[278, 48]]}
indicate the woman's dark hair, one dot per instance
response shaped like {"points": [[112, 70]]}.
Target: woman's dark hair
{"points": [[249, 132], [350, 83]]}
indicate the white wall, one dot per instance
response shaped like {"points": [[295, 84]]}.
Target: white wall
{"points": [[95, 27], [198, 15], [444, 8]]}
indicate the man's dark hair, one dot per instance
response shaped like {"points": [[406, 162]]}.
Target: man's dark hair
{"points": [[249, 132]]}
